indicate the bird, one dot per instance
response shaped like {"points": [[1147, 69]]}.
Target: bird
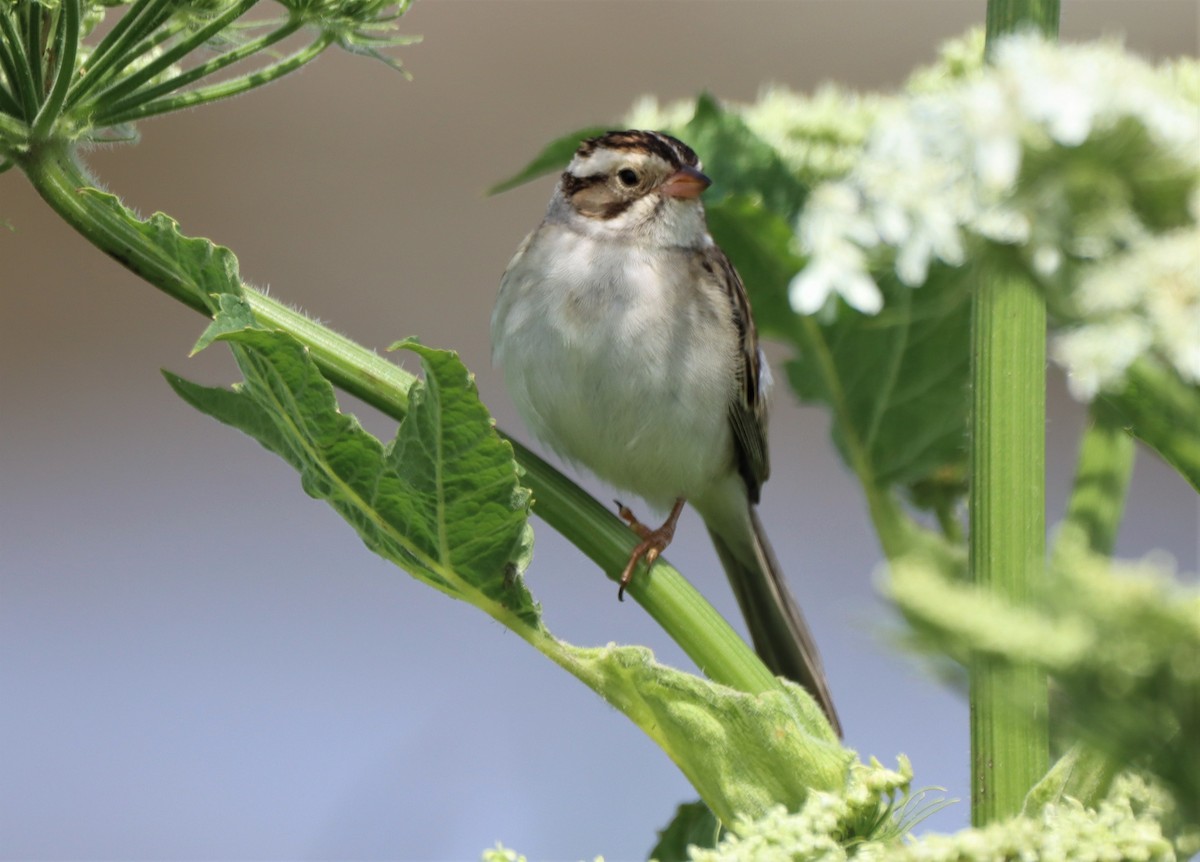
{"points": [[626, 341]]}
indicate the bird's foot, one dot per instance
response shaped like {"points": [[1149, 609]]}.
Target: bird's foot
{"points": [[654, 541]]}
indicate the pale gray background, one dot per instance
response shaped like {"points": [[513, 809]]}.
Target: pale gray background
{"points": [[201, 662]]}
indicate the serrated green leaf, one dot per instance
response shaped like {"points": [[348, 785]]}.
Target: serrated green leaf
{"points": [[442, 500], [553, 158], [692, 826], [193, 269]]}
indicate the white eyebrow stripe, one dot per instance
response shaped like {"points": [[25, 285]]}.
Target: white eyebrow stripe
{"points": [[603, 161]]}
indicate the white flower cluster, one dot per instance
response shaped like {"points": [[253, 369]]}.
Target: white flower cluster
{"points": [[942, 166], [819, 137], [1147, 300], [1121, 827], [817, 832]]}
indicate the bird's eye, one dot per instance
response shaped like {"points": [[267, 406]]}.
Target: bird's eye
{"points": [[627, 177]]}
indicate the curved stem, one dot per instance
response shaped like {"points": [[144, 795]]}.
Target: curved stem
{"points": [[66, 44], [690, 620]]}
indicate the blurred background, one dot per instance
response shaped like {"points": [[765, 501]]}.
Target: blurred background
{"points": [[199, 661]]}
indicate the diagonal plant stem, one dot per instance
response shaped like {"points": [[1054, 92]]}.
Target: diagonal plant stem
{"points": [[690, 620]]}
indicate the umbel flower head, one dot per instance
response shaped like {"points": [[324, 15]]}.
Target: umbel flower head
{"points": [[1072, 155]]}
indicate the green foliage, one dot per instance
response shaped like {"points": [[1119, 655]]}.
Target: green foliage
{"points": [[441, 500], [692, 826], [1164, 413], [1123, 826], [1120, 641], [828, 827], [551, 160], [59, 84], [444, 499], [732, 746]]}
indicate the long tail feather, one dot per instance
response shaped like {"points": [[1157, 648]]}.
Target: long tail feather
{"points": [[781, 636]]}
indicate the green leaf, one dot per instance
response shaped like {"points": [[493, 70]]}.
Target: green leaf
{"points": [[1084, 774], [1120, 640], [442, 500], [1163, 412], [692, 826], [743, 753], [739, 162], [896, 383], [553, 158], [194, 270]]}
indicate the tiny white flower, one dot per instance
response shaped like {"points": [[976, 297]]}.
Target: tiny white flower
{"points": [[1046, 260], [1097, 355]]}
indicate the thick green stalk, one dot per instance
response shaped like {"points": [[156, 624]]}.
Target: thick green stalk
{"points": [[701, 632], [1009, 727], [1010, 748], [1010, 16]]}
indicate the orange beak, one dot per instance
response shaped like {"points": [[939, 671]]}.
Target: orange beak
{"points": [[685, 183]]}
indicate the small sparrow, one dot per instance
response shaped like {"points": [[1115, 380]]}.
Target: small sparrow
{"points": [[627, 344]]}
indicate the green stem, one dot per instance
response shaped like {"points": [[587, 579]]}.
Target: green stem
{"points": [[702, 633], [894, 529], [33, 44], [16, 67], [124, 86], [1009, 728], [215, 65], [1101, 479], [1010, 748], [8, 104], [224, 89], [14, 130], [1010, 16], [66, 43], [113, 52]]}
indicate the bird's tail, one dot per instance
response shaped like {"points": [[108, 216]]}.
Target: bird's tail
{"points": [[781, 636]]}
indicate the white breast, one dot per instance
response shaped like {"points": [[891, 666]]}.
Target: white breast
{"points": [[620, 360]]}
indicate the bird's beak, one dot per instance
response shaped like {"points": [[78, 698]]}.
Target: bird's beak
{"points": [[685, 183]]}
